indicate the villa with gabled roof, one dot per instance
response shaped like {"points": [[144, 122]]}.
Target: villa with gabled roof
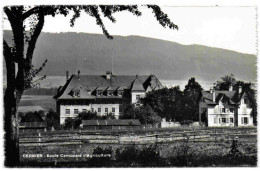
{"points": [[102, 93], [226, 108]]}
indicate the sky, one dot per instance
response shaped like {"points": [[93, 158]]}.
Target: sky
{"points": [[232, 28]]}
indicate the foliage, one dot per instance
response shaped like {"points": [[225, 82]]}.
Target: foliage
{"points": [[134, 157], [101, 157], [32, 117], [69, 123], [190, 100], [173, 104], [145, 114], [53, 119]]}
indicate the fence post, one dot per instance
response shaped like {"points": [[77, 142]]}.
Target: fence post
{"points": [[39, 137]]}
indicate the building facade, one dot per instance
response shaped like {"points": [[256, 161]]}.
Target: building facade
{"points": [[226, 108], [103, 94]]}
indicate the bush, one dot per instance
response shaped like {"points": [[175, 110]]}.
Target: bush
{"points": [[101, 157]]}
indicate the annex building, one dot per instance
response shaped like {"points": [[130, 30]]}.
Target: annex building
{"points": [[102, 93], [226, 108]]}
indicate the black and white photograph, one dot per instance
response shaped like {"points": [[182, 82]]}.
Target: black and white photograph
{"points": [[129, 85]]}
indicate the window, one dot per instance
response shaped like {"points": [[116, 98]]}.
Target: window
{"points": [[110, 93], [92, 109], [215, 120], [106, 110], [76, 93], [244, 120], [99, 110], [84, 110], [231, 110], [99, 93], [231, 120], [223, 110], [245, 101], [113, 110], [224, 120], [67, 112], [137, 97], [120, 93], [76, 111]]}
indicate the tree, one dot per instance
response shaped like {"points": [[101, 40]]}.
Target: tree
{"points": [[32, 117], [69, 123], [190, 100], [53, 119], [166, 102], [145, 114], [18, 57]]}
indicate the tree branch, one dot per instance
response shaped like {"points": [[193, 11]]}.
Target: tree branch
{"points": [[30, 12], [34, 37]]}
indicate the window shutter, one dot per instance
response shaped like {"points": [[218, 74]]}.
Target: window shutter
{"points": [[242, 120], [219, 120], [227, 120]]}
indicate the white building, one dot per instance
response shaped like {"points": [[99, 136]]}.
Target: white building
{"points": [[226, 108], [102, 93]]}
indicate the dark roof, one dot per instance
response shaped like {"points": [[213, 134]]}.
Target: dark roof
{"points": [[137, 85], [32, 125], [100, 82], [232, 97], [114, 122]]}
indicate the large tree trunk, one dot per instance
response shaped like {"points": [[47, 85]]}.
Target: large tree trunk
{"points": [[10, 108], [11, 128]]}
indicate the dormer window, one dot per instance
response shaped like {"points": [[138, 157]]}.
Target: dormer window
{"points": [[99, 93], [76, 93], [110, 93], [120, 93]]}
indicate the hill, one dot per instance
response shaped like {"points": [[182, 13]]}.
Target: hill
{"points": [[92, 54]]}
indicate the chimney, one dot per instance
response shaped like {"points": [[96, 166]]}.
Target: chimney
{"points": [[230, 88], [67, 75], [214, 95], [78, 73], [240, 89], [108, 75]]}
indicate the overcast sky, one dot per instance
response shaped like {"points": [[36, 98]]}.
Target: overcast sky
{"points": [[231, 28]]}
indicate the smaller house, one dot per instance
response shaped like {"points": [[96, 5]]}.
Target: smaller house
{"points": [[165, 124], [218, 108], [32, 126], [111, 124]]}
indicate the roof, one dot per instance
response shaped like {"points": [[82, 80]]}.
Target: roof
{"points": [[137, 85], [100, 82], [32, 125], [25, 109], [232, 97], [110, 122]]}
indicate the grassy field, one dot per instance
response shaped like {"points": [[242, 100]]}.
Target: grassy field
{"points": [[142, 148], [46, 102]]}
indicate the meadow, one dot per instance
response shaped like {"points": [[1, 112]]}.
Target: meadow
{"points": [[175, 147]]}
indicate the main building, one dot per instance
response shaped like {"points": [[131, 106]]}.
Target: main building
{"points": [[102, 93]]}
